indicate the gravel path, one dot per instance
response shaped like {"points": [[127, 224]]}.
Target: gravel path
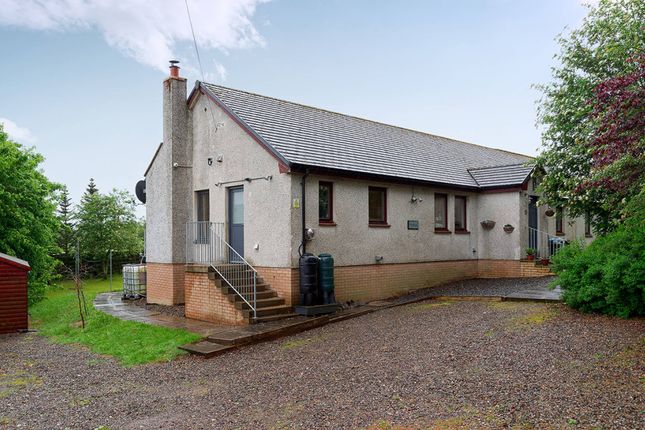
{"points": [[484, 287], [446, 364]]}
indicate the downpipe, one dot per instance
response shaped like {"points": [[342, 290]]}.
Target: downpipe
{"points": [[302, 249]]}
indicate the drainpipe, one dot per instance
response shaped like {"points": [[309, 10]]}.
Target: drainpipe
{"points": [[303, 186]]}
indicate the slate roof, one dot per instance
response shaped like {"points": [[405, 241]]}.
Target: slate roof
{"points": [[501, 176], [315, 137]]}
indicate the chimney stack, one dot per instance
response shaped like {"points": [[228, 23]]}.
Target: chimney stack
{"points": [[174, 69]]}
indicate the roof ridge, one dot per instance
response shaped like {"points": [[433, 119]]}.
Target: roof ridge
{"points": [[367, 119], [496, 166]]}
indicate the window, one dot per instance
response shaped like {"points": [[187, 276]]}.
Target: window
{"points": [[377, 205], [202, 207], [460, 213], [559, 228], [441, 212], [325, 202], [588, 225]]}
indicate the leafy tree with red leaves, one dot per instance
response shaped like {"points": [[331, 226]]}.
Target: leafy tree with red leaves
{"points": [[592, 116]]}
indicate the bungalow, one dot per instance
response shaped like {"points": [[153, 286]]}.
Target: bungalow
{"points": [[237, 173]]}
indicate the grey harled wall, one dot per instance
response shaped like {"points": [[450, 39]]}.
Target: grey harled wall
{"points": [[267, 204], [169, 189], [353, 242]]}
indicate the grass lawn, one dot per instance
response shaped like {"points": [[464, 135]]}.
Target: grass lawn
{"points": [[130, 342]]}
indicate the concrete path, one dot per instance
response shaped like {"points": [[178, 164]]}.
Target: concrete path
{"points": [[111, 303]]}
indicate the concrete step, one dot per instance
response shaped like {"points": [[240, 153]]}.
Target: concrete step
{"points": [[261, 303], [277, 317], [205, 348], [268, 311], [268, 294], [258, 288]]}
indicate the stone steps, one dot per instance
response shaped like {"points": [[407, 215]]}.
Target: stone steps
{"points": [[270, 307], [268, 311], [261, 303]]}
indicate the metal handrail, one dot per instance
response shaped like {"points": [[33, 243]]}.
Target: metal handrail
{"points": [[205, 244], [544, 244]]}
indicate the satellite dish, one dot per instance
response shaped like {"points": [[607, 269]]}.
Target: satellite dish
{"points": [[140, 191]]}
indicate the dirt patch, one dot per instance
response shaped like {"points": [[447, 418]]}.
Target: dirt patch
{"points": [[177, 310]]}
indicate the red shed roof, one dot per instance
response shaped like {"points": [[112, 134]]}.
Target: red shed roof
{"points": [[14, 261]]}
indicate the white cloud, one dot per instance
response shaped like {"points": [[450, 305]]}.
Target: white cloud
{"points": [[150, 31], [17, 133]]}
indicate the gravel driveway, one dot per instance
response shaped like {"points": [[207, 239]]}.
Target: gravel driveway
{"points": [[446, 364]]}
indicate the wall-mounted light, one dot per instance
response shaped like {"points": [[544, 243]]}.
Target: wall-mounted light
{"points": [[210, 161]]}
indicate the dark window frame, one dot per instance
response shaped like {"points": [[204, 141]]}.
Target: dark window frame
{"points": [[203, 235], [330, 219], [559, 221], [445, 228], [382, 222], [588, 232], [198, 201], [465, 200]]}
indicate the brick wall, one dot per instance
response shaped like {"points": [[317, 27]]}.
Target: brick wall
{"points": [[377, 281], [205, 300], [511, 269], [528, 269], [284, 281], [169, 284], [165, 283]]}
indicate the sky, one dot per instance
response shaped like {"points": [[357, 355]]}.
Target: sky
{"points": [[82, 79]]}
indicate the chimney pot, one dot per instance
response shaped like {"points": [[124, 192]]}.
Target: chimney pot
{"points": [[174, 69]]}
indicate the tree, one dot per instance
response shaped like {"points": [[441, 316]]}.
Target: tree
{"points": [[108, 222], [580, 107], [66, 232], [91, 188], [28, 223]]}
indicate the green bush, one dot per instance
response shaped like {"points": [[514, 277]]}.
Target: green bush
{"points": [[608, 276]]}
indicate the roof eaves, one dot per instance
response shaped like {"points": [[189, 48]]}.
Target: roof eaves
{"points": [[377, 177], [15, 261]]}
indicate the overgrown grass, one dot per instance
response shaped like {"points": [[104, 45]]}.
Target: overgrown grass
{"points": [[130, 342]]}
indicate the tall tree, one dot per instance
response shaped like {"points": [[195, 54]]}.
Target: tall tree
{"points": [[67, 232], [108, 222], [28, 223], [575, 114], [91, 188]]}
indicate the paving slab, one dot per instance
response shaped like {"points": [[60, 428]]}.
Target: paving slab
{"points": [[112, 304]]}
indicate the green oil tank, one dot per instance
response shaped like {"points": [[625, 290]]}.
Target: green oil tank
{"points": [[326, 278]]}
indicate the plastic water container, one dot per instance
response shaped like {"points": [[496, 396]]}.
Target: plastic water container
{"points": [[134, 280]]}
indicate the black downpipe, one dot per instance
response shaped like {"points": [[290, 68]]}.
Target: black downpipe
{"points": [[303, 243]]}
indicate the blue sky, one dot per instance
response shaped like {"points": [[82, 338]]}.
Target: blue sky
{"points": [[84, 86]]}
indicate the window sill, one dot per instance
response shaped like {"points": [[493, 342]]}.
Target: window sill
{"points": [[589, 236], [327, 224], [462, 232], [442, 231], [559, 233], [379, 225]]}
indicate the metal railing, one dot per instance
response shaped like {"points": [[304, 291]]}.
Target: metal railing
{"points": [[544, 244], [205, 244]]}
